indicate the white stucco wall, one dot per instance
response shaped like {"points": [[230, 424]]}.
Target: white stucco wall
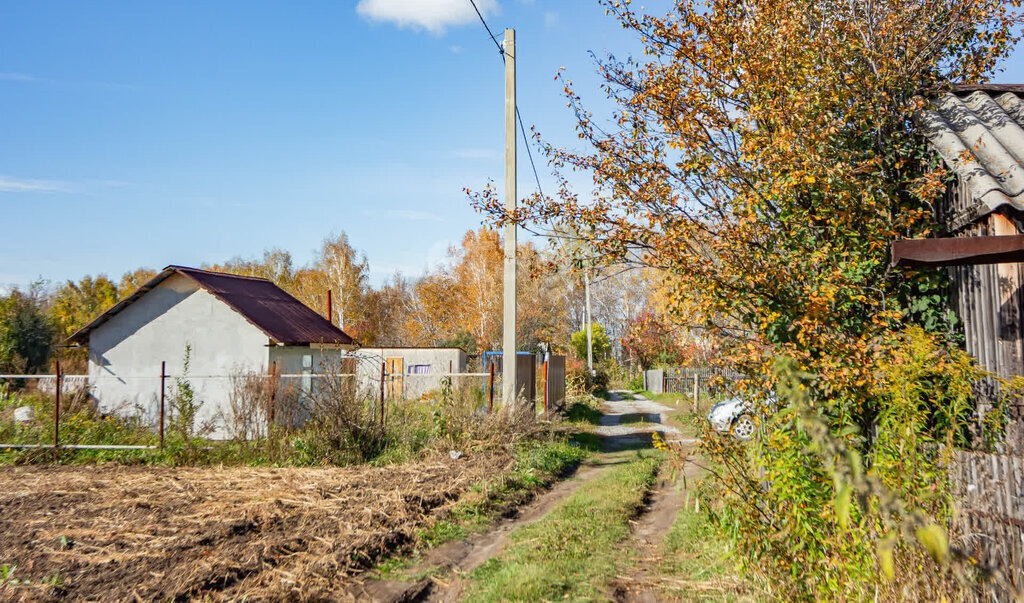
{"points": [[307, 361], [125, 352], [413, 385]]}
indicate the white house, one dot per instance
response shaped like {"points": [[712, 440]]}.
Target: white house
{"points": [[227, 323]]}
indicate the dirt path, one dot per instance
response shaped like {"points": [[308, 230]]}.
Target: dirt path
{"points": [[628, 424], [640, 584], [625, 425], [449, 562]]}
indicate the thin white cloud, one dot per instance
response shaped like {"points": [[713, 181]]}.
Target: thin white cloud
{"points": [[432, 15], [17, 77], [22, 185], [456, 49], [412, 263], [550, 19], [13, 76]]}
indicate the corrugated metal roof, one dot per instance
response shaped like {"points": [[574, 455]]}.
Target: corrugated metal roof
{"points": [[979, 132], [266, 306]]}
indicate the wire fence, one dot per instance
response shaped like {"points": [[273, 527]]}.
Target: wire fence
{"points": [[148, 399]]}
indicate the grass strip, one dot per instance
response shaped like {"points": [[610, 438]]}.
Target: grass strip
{"points": [[584, 411], [571, 553], [697, 561], [537, 465]]}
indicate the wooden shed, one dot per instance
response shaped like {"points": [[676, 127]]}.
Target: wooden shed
{"points": [[979, 133]]}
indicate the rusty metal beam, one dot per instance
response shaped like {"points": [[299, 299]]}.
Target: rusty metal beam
{"points": [[960, 251]]}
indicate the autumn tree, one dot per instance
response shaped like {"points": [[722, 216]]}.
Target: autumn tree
{"points": [[618, 295], [763, 155], [651, 339], [461, 300], [600, 343], [338, 268], [77, 304], [547, 301], [276, 265], [617, 292], [435, 314], [385, 310], [131, 281], [26, 331], [769, 176], [477, 277]]}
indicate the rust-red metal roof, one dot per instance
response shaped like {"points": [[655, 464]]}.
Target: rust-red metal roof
{"points": [[958, 251], [266, 306]]}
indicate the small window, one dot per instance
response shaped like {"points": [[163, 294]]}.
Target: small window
{"points": [[419, 369]]}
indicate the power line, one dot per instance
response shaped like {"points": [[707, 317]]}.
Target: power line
{"points": [[528, 153], [519, 117], [501, 49]]}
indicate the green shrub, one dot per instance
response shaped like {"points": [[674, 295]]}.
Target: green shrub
{"points": [[636, 383], [823, 507]]}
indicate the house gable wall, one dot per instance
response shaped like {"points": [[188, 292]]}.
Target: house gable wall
{"points": [[125, 352]]}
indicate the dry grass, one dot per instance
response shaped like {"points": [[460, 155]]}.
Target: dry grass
{"points": [[123, 533]]}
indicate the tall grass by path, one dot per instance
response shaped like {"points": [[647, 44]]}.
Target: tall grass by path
{"points": [[537, 465], [572, 552], [698, 562]]}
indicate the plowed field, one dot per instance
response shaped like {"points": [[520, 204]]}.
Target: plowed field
{"points": [[115, 533]]}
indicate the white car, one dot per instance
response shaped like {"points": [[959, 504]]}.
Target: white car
{"points": [[733, 416]]}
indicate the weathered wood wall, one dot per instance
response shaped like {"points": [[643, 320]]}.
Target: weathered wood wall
{"points": [[989, 488], [989, 298], [990, 515]]}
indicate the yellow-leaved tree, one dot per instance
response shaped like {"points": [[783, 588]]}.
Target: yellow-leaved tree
{"points": [[763, 154]]}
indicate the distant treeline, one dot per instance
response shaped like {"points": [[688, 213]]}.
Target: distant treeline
{"points": [[457, 303]]}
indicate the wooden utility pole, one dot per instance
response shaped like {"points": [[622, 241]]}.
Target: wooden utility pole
{"points": [[330, 308], [508, 348]]}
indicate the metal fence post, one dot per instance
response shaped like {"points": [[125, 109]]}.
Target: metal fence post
{"points": [[56, 412], [163, 381], [490, 387], [545, 386], [382, 364], [274, 379]]}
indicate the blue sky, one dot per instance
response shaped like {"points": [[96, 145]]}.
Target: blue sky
{"points": [[145, 134]]}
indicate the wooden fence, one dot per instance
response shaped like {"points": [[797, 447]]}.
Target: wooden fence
{"points": [[709, 380], [990, 516]]}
